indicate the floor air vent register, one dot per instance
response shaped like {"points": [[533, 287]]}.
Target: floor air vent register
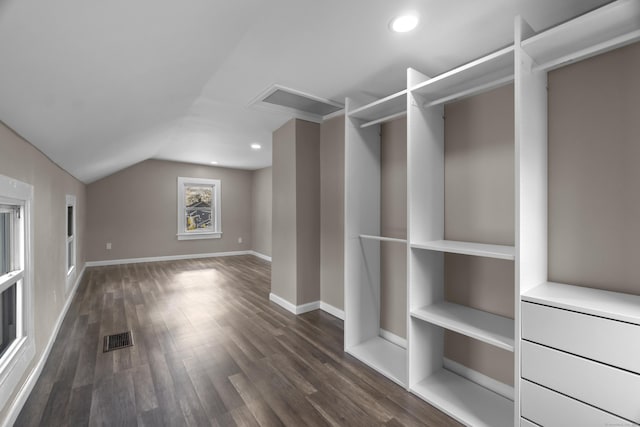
{"points": [[117, 341]]}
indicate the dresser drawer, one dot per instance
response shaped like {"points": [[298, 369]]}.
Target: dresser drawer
{"points": [[550, 409], [602, 386], [608, 341]]}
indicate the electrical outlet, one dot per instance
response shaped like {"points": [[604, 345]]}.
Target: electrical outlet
{"points": [[108, 246], [239, 239]]}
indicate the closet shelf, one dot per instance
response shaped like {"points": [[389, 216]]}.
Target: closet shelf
{"points": [[597, 302], [381, 238], [481, 325], [464, 400], [481, 75], [384, 119], [383, 356], [468, 248], [606, 28], [383, 109]]}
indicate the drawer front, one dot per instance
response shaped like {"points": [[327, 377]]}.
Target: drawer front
{"points": [[550, 409], [607, 341], [602, 386]]}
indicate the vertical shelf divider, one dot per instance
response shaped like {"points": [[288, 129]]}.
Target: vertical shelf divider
{"points": [[531, 182]]}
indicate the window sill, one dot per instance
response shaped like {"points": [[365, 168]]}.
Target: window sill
{"points": [[198, 236]]}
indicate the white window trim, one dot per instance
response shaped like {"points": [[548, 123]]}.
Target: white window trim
{"points": [[18, 357], [183, 234], [71, 201]]}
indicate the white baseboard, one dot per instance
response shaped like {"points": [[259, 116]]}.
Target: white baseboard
{"points": [[295, 309], [263, 256], [496, 386], [165, 258], [328, 308], [305, 308], [32, 379], [393, 338]]}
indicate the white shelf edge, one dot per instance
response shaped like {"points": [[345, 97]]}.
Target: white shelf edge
{"points": [[465, 67], [469, 92], [483, 326], [469, 248], [383, 119], [377, 103], [576, 22], [596, 302], [371, 351], [605, 18], [585, 53], [464, 400], [381, 238]]}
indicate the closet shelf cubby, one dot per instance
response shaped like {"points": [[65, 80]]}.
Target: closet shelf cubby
{"points": [[382, 110], [475, 77], [609, 27], [383, 356], [481, 325], [465, 400]]}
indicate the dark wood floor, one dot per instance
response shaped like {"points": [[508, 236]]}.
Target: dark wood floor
{"points": [[210, 349]]}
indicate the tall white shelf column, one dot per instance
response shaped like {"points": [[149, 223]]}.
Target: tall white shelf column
{"points": [[429, 314], [362, 337]]}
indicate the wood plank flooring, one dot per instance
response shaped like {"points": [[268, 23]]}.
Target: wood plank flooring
{"points": [[210, 350]]}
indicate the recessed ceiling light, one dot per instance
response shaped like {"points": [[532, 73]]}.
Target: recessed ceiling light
{"points": [[214, 163], [403, 23], [256, 146]]}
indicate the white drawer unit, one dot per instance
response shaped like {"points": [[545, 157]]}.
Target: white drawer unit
{"points": [[608, 341], [602, 386], [544, 407]]}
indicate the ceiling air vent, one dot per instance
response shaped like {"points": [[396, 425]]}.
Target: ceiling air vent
{"points": [[300, 104]]}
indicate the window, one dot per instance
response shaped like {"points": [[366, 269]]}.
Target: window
{"points": [[11, 272], [17, 344], [71, 237], [198, 208]]}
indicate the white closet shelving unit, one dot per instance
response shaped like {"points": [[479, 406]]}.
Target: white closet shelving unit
{"points": [[430, 315], [422, 367], [564, 317], [362, 237]]}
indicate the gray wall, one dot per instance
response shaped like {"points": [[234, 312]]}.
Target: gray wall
{"points": [[393, 223], [594, 172], [308, 210], [284, 227], [332, 136], [136, 210], [295, 268], [261, 215], [479, 207], [22, 161]]}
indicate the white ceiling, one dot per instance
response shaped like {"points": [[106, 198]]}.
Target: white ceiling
{"points": [[98, 86]]}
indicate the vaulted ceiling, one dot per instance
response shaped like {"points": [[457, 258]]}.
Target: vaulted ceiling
{"points": [[98, 86]]}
